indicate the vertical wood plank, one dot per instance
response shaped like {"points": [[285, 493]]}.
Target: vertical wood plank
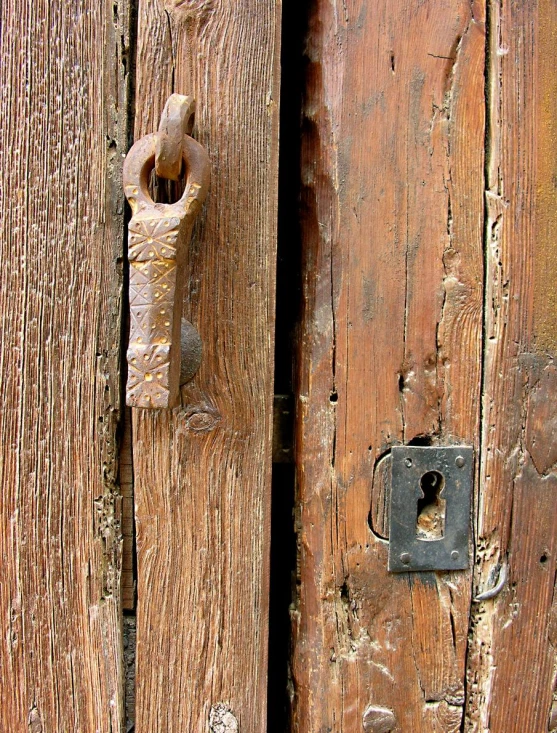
{"points": [[390, 349], [202, 471], [512, 649], [63, 133]]}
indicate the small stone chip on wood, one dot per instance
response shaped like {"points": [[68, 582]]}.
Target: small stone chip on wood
{"points": [[221, 719], [553, 718]]}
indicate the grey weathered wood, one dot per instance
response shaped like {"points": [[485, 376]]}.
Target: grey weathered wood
{"points": [[63, 110]]}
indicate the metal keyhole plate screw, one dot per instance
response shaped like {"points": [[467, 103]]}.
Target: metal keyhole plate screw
{"points": [[455, 555], [408, 462], [460, 461], [405, 558]]}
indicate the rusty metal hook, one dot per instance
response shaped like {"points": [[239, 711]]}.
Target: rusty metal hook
{"points": [[497, 588], [176, 122], [157, 240]]}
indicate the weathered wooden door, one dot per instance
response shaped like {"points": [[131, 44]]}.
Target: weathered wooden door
{"points": [[417, 306]]}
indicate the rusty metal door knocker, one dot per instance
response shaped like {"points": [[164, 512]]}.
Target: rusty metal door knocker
{"points": [[157, 240]]}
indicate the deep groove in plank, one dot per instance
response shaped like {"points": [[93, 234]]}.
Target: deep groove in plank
{"points": [[283, 541]]}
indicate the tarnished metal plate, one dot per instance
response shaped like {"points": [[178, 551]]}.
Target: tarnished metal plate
{"points": [[431, 488]]}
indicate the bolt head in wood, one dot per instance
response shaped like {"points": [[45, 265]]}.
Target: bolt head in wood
{"points": [[192, 350], [378, 719]]}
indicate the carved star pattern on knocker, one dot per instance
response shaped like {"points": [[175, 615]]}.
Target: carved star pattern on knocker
{"points": [[153, 238]]}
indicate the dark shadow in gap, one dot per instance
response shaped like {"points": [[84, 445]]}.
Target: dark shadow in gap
{"points": [[283, 539]]}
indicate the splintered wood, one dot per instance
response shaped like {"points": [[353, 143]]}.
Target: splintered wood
{"points": [[63, 137], [202, 471], [394, 172]]}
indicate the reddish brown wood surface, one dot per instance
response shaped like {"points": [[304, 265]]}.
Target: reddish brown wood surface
{"points": [[390, 349], [202, 471], [513, 639], [63, 110]]}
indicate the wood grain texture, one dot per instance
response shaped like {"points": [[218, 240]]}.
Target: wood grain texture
{"points": [[390, 349], [202, 471], [63, 133], [512, 648]]}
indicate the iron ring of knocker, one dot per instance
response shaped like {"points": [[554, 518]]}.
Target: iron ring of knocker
{"points": [[158, 235]]}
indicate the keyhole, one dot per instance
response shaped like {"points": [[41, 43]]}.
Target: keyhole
{"points": [[430, 523]]}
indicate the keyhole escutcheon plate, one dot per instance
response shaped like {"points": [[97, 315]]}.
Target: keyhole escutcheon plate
{"points": [[431, 488]]}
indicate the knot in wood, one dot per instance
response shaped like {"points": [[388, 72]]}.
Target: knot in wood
{"points": [[193, 9], [201, 422]]}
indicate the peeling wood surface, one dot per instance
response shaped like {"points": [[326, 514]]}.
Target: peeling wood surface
{"points": [[202, 471], [512, 658], [390, 349], [64, 76]]}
